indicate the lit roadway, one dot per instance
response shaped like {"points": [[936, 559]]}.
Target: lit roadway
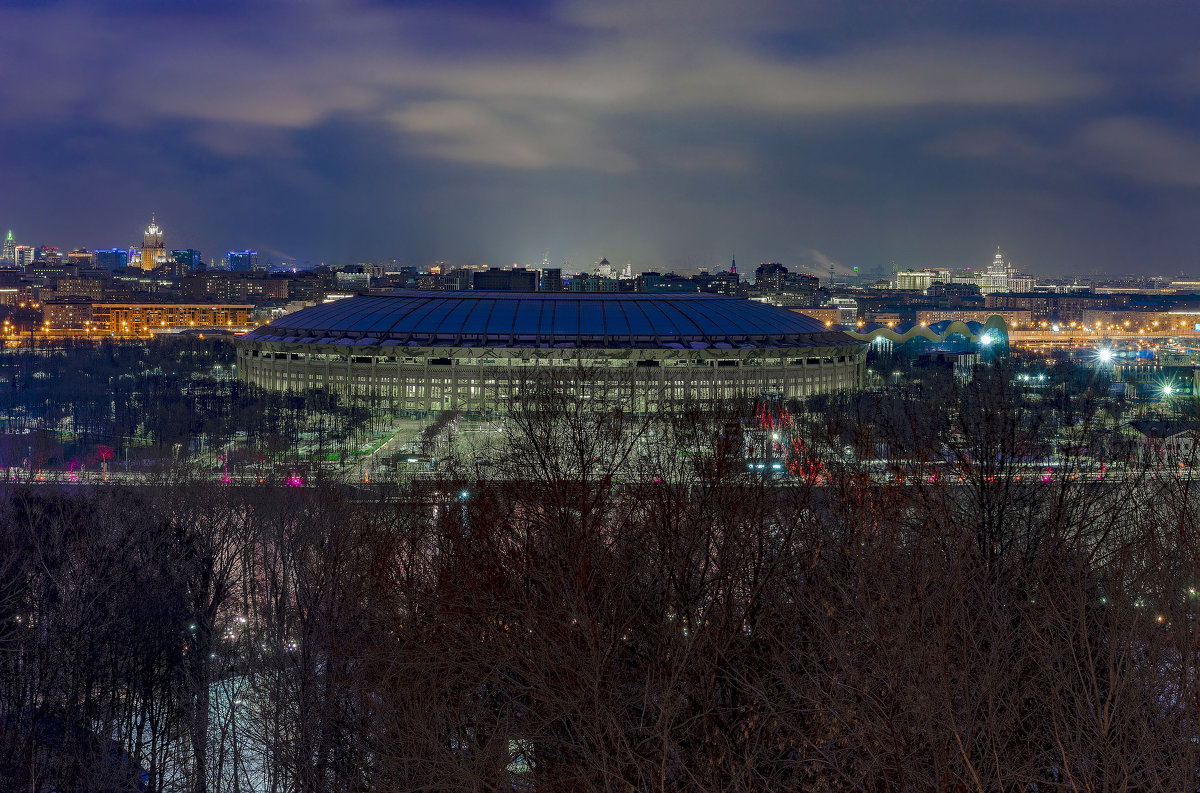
{"points": [[1081, 338], [1031, 474]]}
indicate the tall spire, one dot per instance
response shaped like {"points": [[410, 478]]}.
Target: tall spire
{"points": [[9, 238], [733, 266]]}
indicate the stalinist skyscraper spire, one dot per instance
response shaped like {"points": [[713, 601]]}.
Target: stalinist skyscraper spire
{"points": [[154, 251]]}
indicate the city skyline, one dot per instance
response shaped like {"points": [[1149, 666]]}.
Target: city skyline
{"points": [[156, 232], [672, 136]]}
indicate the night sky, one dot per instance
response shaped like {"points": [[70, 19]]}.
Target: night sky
{"points": [[670, 134]]}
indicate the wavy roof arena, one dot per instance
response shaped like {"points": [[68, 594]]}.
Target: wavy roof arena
{"points": [[419, 318]]}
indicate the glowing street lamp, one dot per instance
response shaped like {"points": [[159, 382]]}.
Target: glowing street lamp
{"points": [[1105, 355]]}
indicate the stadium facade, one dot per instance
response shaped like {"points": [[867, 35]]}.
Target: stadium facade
{"points": [[426, 351]]}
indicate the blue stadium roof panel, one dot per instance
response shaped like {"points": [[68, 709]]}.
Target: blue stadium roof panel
{"points": [[541, 319]]}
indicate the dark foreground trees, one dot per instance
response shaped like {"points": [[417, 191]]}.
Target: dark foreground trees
{"points": [[600, 601]]}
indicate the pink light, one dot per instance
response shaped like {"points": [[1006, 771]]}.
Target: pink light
{"points": [[295, 481], [1045, 479]]}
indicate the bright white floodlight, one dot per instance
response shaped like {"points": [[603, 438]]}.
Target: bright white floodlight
{"points": [[1105, 355]]}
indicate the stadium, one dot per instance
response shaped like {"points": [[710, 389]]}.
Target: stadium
{"points": [[474, 352]]}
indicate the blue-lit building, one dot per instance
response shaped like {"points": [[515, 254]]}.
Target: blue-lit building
{"points": [[429, 351], [241, 261], [187, 260], [111, 259]]}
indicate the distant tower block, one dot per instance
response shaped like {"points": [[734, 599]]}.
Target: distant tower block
{"points": [[999, 265], [154, 250], [1000, 274]]}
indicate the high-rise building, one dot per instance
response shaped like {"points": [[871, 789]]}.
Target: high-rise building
{"points": [[154, 251], [494, 279], [770, 276], [651, 281], [552, 279], [80, 257], [186, 260], [23, 255], [920, 280], [10, 249], [998, 275], [241, 261], [593, 283], [724, 282], [111, 259]]}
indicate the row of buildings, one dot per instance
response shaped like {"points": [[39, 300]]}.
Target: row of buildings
{"points": [[68, 288], [603, 278], [998, 276], [152, 256]]}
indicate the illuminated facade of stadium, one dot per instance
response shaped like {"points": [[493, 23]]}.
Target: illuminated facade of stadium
{"points": [[475, 351]]}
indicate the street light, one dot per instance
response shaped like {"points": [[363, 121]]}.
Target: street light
{"points": [[1105, 355]]}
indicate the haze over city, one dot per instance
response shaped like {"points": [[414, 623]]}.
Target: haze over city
{"points": [[671, 135]]}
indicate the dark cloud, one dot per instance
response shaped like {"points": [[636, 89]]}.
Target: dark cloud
{"points": [[670, 133], [1143, 149]]}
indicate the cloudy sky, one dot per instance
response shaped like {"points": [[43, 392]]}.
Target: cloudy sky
{"points": [[672, 134]]}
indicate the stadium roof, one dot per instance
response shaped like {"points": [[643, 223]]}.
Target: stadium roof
{"points": [[541, 319]]}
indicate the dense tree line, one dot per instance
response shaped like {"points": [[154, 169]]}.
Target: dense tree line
{"points": [[166, 398], [596, 600]]}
